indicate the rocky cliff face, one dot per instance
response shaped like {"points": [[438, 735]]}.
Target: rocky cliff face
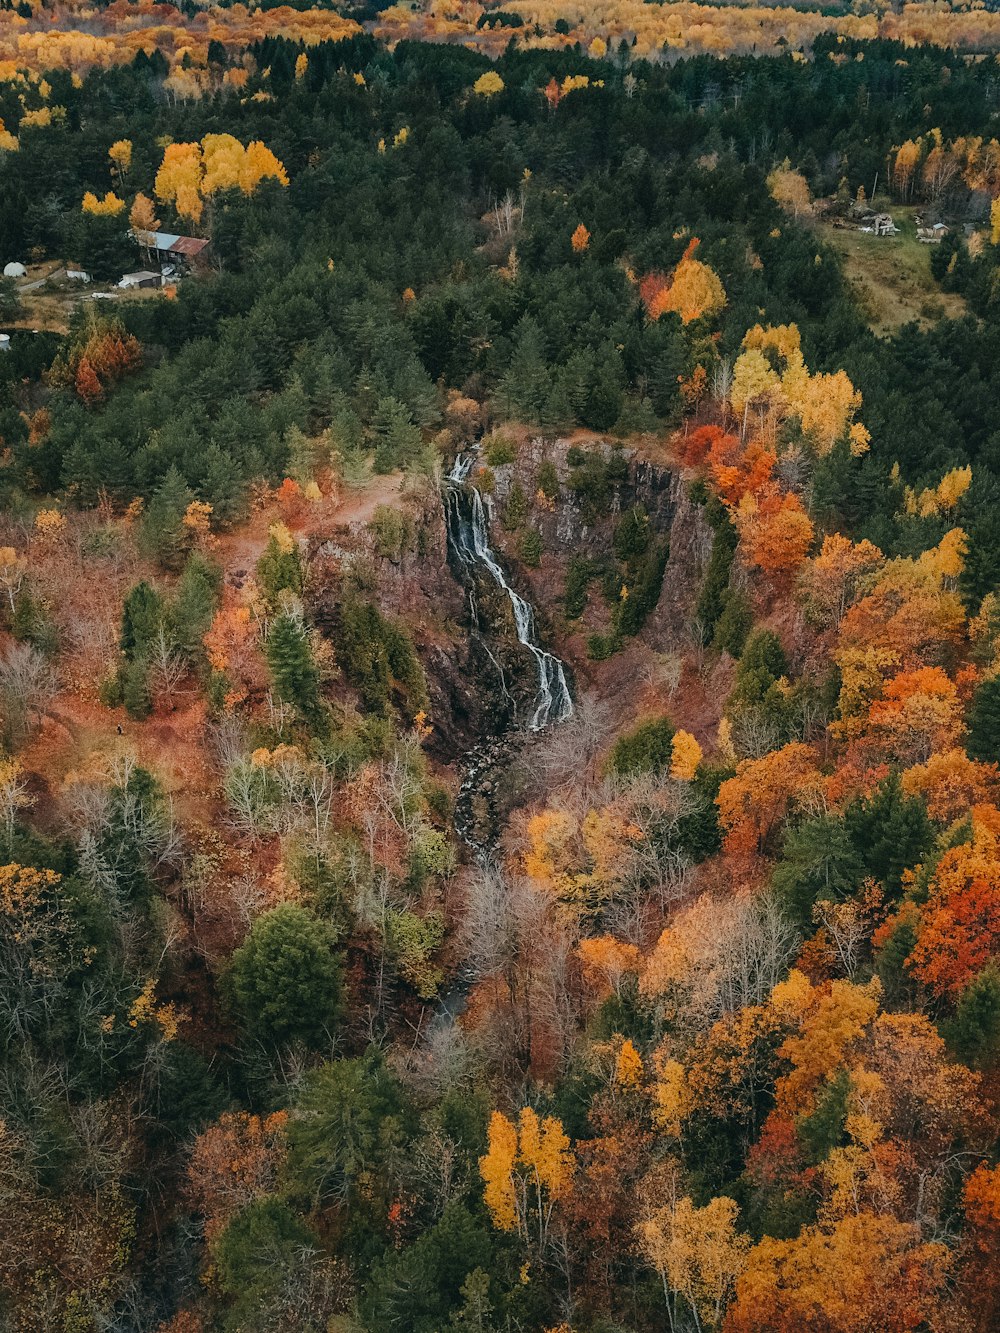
{"points": [[574, 525], [480, 679], [578, 521], [405, 572]]}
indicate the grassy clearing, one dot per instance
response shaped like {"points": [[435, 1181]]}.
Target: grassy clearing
{"points": [[49, 298], [891, 275]]}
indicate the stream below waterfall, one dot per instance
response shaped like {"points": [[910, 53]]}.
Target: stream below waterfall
{"points": [[489, 762]]}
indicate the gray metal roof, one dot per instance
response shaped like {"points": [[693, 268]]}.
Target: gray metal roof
{"points": [[168, 243]]}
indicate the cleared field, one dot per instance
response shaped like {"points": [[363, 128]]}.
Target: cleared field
{"points": [[891, 275], [48, 298]]}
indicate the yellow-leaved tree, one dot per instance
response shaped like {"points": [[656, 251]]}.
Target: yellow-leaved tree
{"points": [[488, 84], [790, 189], [108, 207], [120, 154], [527, 1168], [685, 756], [222, 159], [628, 1067], [698, 1254], [694, 290], [771, 374], [260, 164], [178, 180], [142, 215], [13, 568], [190, 173], [904, 169], [143, 221]]}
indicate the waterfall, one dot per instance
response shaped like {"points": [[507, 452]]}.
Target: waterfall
{"points": [[468, 539]]}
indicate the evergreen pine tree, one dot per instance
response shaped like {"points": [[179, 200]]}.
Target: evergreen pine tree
{"points": [[221, 485], [605, 399], [134, 686], [293, 670], [974, 1031], [163, 532], [984, 722], [890, 832], [194, 606], [525, 389], [279, 569], [398, 440], [142, 616], [980, 517], [285, 978]]}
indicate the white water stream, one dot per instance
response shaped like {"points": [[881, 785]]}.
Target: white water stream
{"points": [[468, 536]]}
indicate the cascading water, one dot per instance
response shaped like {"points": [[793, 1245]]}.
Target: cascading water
{"points": [[468, 539], [468, 545]]}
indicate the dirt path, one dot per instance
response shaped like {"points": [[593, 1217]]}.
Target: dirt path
{"points": [[352, 506]]}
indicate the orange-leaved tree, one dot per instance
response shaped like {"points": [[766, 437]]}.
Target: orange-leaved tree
{"points": [[959, 924], [754, 802], [233, 1162], [866, 1271]]}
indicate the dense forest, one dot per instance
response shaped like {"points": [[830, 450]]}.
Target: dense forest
{"points": [[499, 673]]}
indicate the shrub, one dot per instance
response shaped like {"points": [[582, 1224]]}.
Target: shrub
{"points": [[499, 448], [647, 748], [602, 646], [486, 481], [31, 623], [579, 572], [531, 547], [547, 480], [516, 509], [632, 534], [594, 478], [393, 532], [413, 940]]}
